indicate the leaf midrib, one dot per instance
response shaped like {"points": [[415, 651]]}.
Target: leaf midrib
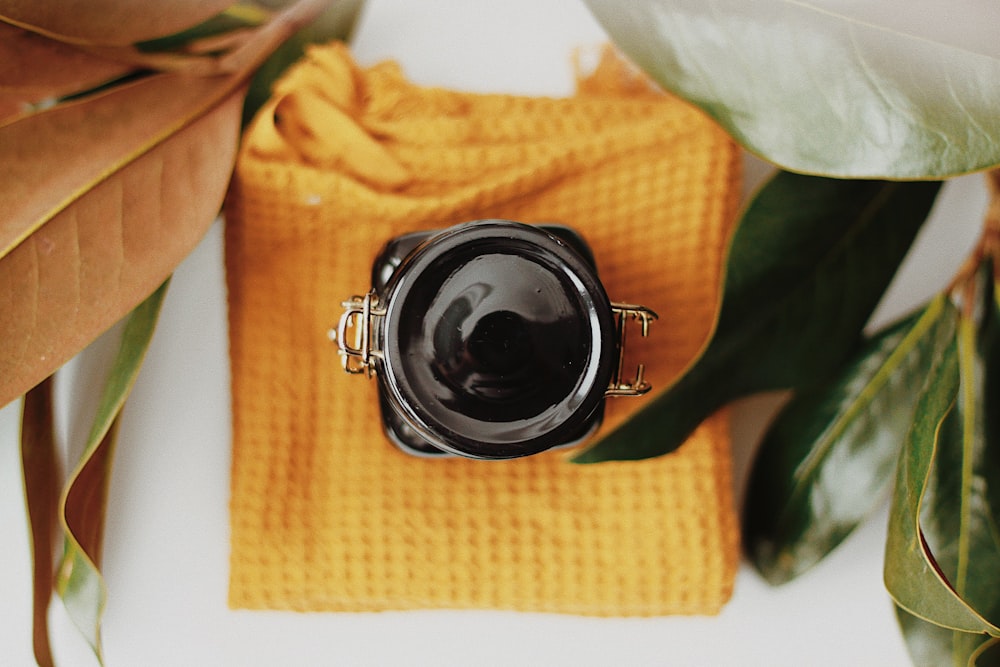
{"points": [[830, 437], [855, 228]]}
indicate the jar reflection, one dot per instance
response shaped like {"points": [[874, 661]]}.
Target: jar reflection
{"points": [[498, 340]]}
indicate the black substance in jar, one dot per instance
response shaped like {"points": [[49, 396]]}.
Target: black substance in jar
{"points": [[497, 340]]}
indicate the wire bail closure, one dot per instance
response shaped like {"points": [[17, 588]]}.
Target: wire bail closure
{"points": [[360, 314], [358, 352], [624, 313]]}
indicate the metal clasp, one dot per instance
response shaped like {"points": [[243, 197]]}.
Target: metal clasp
{"points": [[358, 322], [624, 313]]}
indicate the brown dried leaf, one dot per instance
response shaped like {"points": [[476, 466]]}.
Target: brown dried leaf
{"points": [[41, 492], [104, 196], [109, 21], [49, 159], [11, 106], [34, 68], [96, 259]]}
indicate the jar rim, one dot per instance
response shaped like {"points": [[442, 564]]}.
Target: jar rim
{"points": [[480, 438]]}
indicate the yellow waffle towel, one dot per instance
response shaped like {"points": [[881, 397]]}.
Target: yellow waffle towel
{"points": [[326, 514]]}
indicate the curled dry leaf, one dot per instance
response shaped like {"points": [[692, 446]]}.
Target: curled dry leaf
{"points": [[105, 195], [40, 465]]}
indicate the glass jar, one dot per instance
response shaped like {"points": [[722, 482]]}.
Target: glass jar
{"points": [[492, 339]]}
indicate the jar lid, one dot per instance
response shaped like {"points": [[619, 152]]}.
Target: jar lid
{"points": [[498, 340]]}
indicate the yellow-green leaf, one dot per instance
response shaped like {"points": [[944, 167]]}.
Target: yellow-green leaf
{"points": [[931, 645], [83, 504], [958, 522], [940, 527]]}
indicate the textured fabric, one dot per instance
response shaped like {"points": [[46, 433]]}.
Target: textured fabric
{"points": [[326, 514]]}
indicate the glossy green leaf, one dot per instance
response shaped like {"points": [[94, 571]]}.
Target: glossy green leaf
{"points": [[827, 461], [819, 92], [40, 467], [83, 505], [942, 559], [807, 264]]}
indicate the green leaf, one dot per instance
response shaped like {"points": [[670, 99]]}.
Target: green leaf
{"points": [[230, 19], [956, 557], [827, 460], [83, 505], [942, 559], [40, 467], [966, 549], [987, 655], [931, 645], [817, 92], [806, 266], [989, 352]]}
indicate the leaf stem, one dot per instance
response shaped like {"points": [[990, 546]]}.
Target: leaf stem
{"points": [[988, 247], [991, 226], [967, 405]]}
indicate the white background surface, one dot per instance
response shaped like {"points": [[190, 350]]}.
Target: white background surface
{"points": [[166, 555]]}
